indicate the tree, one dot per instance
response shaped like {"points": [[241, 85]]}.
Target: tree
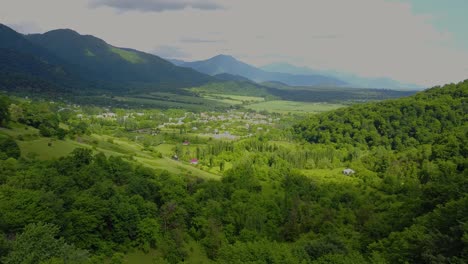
{"points": [[4, 112], [16, 112], [82, 156], [38, 243], [9, 148], [221, 166], [148, 233]]}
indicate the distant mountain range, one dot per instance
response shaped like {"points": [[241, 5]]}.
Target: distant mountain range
{"points": [[66, 59], [63, 60], [231, 77], [290, 74], [351, 79], [227, 64]]}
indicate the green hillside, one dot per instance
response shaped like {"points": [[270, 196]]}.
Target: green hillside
{"points": [[99, 61], [25, 67], [109, 185], [63, 60]]}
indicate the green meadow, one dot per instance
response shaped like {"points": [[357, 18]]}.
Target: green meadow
{"points": [[280, 106]]}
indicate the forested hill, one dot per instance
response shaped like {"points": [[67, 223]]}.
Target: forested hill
{"points": [[63, 59], [280, 202], [434, 116], [98, 60], [25, 67], [418, 146]]}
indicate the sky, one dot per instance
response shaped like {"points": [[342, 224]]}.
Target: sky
{"points": [[424, 42]]}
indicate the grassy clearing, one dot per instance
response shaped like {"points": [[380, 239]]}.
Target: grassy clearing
{"points": [[232, 88], [48, 148], [177, 167], [233, 99], [223, 100], [40, 148], [293, 107], [171, 97], [19, 130], [174, 101], [165, 149], [147, 158]]}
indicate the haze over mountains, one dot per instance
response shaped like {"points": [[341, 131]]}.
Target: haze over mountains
{"points": [[351, 79], [290, 74], [228, 64], [63, 59]]}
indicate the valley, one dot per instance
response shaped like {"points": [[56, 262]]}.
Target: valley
{"points": [[251, 153], [113, 155]]}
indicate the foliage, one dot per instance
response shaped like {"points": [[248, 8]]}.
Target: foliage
{"points": [[277, 201], [4, 111], [9, 148], [38, 244]]}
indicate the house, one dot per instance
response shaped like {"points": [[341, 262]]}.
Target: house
{"points": [[194, 161], [110, 115], [186, 143], [348, 172], [175, 157]]}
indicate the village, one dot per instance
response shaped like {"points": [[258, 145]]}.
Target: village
{"points": [[182, 136], [231, 125]]}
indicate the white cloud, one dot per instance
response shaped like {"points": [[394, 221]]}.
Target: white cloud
{"points": [[155, 5], [368, 37]]}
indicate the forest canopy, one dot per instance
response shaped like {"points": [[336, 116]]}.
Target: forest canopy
{"points": [[406, 203]]}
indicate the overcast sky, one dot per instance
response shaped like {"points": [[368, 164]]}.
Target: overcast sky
{"points": [[418, 41]]}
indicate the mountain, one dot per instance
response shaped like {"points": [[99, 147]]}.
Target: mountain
{"points": [[351, 79], [231, 77], [228, 64], [25, 66], [100, 61], [64, 59], [12, 40], [176, 62], [288, 68]]}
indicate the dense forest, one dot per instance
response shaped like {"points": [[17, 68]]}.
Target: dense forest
{"points": [[407, 202]]}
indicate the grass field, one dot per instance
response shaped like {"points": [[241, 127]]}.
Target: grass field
{"points": [[293, 107], [41, 149], [233, 99], [47, 148], [165, 149], [19, 130], [125, 147], [162, 100]]}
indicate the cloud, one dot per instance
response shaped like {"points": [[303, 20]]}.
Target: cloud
{"points": [[156, 5], [170, 52], [372, 38]]}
